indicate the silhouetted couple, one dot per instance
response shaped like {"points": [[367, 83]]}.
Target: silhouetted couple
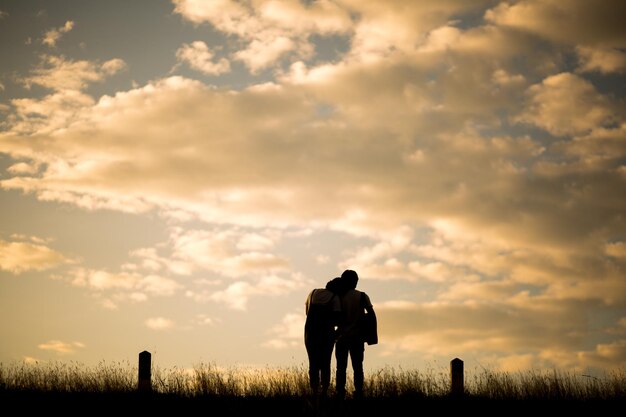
{"points": [[337, 316]]}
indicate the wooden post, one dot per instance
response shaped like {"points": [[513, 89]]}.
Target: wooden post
{"points": [[456, 377], [145, 383]]}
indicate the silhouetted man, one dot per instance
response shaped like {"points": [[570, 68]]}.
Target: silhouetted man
{"points": [[323, 309], [352, 335]]}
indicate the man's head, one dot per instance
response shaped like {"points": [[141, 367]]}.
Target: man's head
{"points": [[351, 278]]}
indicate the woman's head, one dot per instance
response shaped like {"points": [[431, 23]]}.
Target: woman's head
{"points": [[334, 285]]}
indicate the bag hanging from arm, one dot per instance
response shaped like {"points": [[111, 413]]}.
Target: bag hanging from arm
{"points": [[369, 325]]}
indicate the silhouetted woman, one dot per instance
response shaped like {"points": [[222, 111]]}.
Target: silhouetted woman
{"points": [[323, 311]]}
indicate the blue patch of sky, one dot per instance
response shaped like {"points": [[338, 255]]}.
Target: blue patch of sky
{"points": [[568, 60], [5, 162], [329, 48], [612, 85], [472, 17], [324, 110], [146, 38], [520, 130], [508, 127], [144, 34], [604, 324], [16, 58], [19, 91]]}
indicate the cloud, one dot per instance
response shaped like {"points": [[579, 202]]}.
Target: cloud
{"points": [[230, 253], [237, 18], [132, 282], [322, 259], [204, 320], [599, 150], [257, 241], [58, 109], [49, 113], [227, 252], [53, 35], [149, 259], [159, 323], [263, 52], [31, 238], [23, 168], [237, 295], [59, 73], [502, 188], [574, 22], [18, 257], [493, 328], [565, 104], [616, 249], [198, 56], [605, 355], [179, 165], [603, 60], [479, 162], [112, 66], [386, 29], [60, 347], [516, 363], [113, 300], [288, 333], [268, 30]]}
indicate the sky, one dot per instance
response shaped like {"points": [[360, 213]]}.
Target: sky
{"points": [[176, 176]]}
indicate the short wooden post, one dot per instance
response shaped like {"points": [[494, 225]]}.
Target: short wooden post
{"points": [[145, 383], [456, 377]]}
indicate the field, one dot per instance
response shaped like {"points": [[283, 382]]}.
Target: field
{"points": [[207, 388]]}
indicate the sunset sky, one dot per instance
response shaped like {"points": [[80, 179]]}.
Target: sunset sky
{"points": [[177, 175]]}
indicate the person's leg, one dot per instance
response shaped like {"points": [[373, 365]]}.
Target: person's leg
{"points": [[341, 356], [357, 353], [326, 357], [312, 351]]}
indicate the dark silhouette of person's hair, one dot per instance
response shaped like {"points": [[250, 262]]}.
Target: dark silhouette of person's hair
{"points": [[337, 285], [333, 284], [351, 278]]}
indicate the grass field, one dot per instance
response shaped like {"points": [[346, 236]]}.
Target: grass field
{"points": [[284, 391]]}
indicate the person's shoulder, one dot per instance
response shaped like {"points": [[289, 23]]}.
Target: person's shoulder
{"points": [[321, 295], [366, 299], [313, 292], [352, 293]]}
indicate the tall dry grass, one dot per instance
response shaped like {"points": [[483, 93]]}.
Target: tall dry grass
{"points": [[549, 384], [68, 377], [212, 380]]}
